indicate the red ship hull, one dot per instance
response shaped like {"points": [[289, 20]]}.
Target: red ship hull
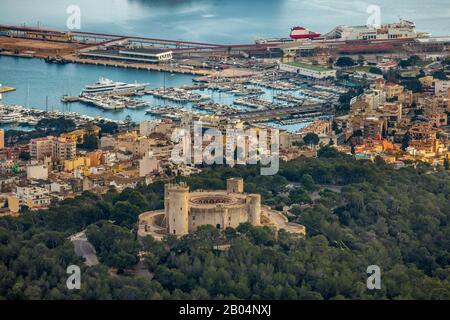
{"points": [[306, 36], [303, 33]]}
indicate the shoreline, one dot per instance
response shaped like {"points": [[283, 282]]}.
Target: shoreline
{"points": [[201, 75], [116, 64]]}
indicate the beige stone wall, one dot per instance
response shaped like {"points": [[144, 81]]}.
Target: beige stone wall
{"points": [[221, 216], [177, 213], [235, 185], [200, 217], [254, 209]]}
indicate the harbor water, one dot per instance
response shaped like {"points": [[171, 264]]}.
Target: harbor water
{"points": [[41, 85]]}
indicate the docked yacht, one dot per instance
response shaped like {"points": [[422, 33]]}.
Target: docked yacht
{"points": [[107, 86], [10, 117]]}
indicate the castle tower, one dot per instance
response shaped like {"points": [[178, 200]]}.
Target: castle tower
{"points": [[223, 212], [235, 185], [177, 198], [166, 199], [254, 209]]}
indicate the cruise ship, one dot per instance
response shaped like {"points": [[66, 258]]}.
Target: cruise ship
{"points": [[107, 86]]}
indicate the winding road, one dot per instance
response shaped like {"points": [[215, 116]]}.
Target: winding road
{"points": [[83, 248]]}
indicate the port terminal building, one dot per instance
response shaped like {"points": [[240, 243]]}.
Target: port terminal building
{"points": [[307, 70], [146, 55]]}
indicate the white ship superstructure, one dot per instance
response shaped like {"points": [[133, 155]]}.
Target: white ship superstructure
{"points": [[106, 86], [7, 118]]}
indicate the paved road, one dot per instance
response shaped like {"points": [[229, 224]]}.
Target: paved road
{"points": [[141, 270], [282, 223], [83, 248]]}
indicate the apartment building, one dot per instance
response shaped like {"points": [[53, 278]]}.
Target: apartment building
{"points": [[34, 197], [57, 148]]}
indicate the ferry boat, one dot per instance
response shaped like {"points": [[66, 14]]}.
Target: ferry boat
{"points": [[402, 30], [303, 33], [107, 86]]}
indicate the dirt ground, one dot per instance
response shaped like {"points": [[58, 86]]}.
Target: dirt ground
{"points": [[38, 48]]}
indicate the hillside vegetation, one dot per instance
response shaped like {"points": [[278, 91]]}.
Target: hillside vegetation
{"points": [[356, 214]]}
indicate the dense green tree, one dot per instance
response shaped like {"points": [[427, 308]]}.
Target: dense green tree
{"points": [[405, 141], [108, 127], [375, 70], [311, 139], [328, 152], [308, 182], [299, 196], [414, 85], [404, 64], [363, 213], [345, 62], [116, 246], [124, 213], [345, 98], [56, 125], [24, 156], [90, 142], [440, 74], [446, 163]]}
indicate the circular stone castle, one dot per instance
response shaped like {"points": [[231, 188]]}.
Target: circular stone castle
{"points": [[185, 211]]}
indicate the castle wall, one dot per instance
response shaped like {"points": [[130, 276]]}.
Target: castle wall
{"points": [[236, 217], [200, 217], [221, 215]]}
